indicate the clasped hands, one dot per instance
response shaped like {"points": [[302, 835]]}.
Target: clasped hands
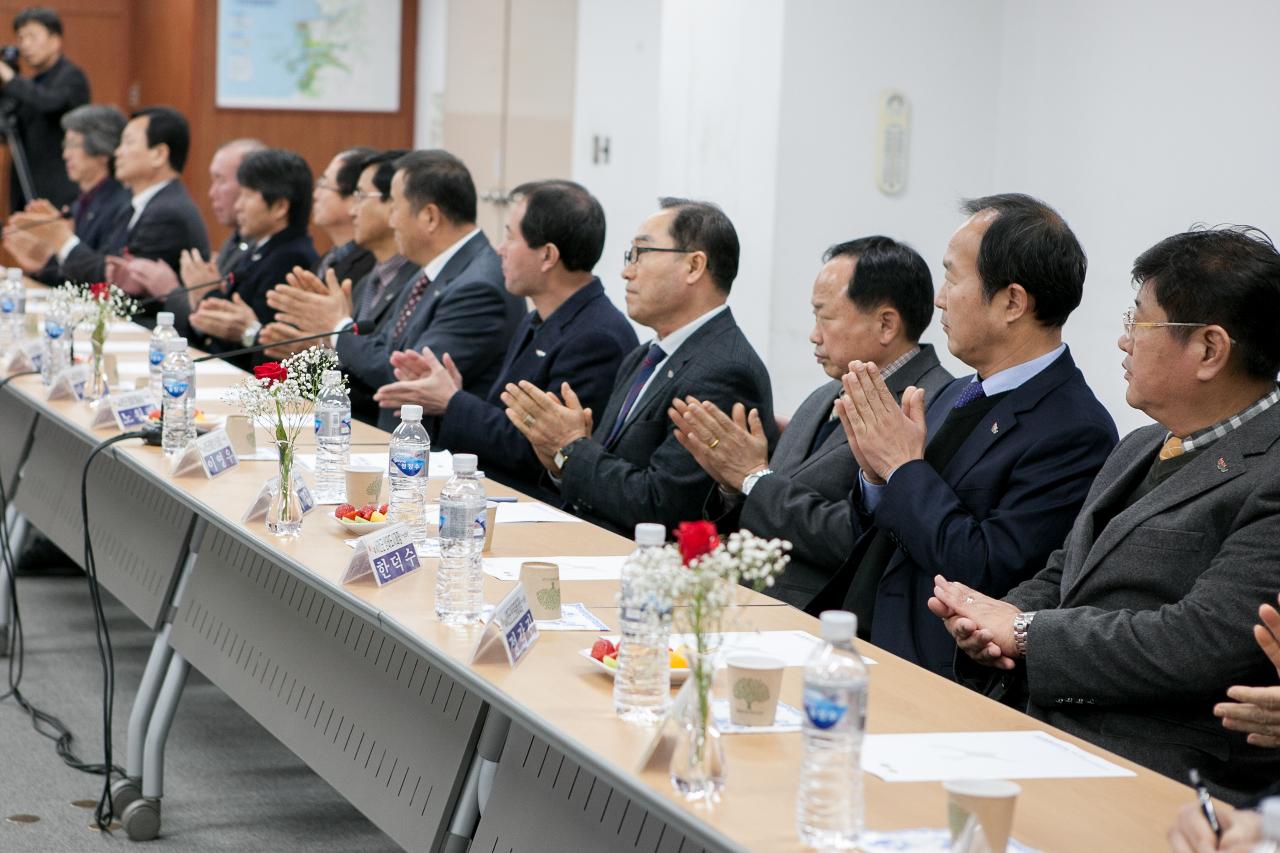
{"points": [[882, 433], [981, 625], [305, 305], [422, 379], [548, 423], [727, 448], [34, 234]]}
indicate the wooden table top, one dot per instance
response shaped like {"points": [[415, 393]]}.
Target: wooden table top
{"points": [[556, 686]]}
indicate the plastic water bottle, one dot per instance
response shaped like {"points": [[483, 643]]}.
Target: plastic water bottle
{"points": [[13, 309], [333, 438], [460, 579], [57, 340], [407, 468], [642, 684], [829, 799], [155, 351], [178, 374]]}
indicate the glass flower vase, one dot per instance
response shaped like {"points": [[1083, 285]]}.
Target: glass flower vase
{"points": [[284, 515], [697, 763], [96, 389]]}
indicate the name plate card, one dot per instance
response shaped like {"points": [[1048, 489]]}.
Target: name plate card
{"points": [[262, 501], [387, 554], [70, 383], [657, 753], [512, 624], [26, 356], [211, 453], [127, 409]]}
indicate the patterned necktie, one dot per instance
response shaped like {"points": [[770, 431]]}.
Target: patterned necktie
{"points": [[651, 360], [415, 296], [972, 391], [1172, 447]]}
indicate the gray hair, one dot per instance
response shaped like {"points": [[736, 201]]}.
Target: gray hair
{"points": [[245, 144], [100, 125]]}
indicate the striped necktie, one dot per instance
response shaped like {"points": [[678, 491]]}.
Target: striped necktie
{"points": [[651, 360], [415, 296]]}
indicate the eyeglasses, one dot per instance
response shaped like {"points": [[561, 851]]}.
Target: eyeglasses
{"points": [[633, 254], [360, 196], [322, 184], [1130, 324]]}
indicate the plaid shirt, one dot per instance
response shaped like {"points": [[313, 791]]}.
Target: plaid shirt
{"points": [[1203, 438], [885, 372]]}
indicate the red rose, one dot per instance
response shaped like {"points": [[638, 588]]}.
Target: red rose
{"points": [[99, 291], [696, 538], [272, 371]]}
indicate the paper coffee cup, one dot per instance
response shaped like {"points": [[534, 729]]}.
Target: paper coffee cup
{"points": [[990, 801], [244, 440], [364, 485], [541, 583], [490, 523], [111, 366], [754, 683]]}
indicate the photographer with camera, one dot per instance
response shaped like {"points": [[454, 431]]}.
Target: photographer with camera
{"points": [[31, 108]]}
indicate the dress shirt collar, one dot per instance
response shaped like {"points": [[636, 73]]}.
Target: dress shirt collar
{"points": [[384, 272], [437, 264], [587, 292], [672, 342], [1200, 439], [142, 199], [1019, 374]]}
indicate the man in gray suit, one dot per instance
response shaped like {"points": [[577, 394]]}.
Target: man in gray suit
{"points": [[458, 305], [872, 299], [681, 264], [1140, 622]]}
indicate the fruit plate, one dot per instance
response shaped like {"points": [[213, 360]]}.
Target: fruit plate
{"points": [[678, 676], [359, 527]]}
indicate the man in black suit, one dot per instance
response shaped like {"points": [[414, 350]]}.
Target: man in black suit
{"points": [[272, 212], [554, 235], [332, 211], [680, 266], [38, 104], [306, 305], [92, 134], [457, 304], [160, 222], [872, 300], [983, 486]]}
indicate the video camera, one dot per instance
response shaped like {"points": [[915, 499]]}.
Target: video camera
{"points": [[9, 56]]}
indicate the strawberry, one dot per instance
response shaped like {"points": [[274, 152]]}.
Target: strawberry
{"points": [[351, 515], [366, 511], [600, 648], [383, 509], [342, 510]]}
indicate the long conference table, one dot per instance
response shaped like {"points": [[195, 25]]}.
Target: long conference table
{"points": [[381, 700]]}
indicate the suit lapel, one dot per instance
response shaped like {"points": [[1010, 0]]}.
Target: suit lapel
{"points": [[659, 390], [795, 456], [626, 375]]}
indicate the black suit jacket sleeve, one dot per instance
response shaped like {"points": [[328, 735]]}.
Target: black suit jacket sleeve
{"points": [[470, 324], [473, 425], [942, 536], [830, 527], [672, 487], [59, 94]]}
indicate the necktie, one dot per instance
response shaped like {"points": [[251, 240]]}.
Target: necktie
{"points": [[1172, 447], [651, 359], [415, 296], [972, 391]]}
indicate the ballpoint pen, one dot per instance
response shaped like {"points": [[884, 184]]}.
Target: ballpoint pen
{"points": [[1206, 803]]}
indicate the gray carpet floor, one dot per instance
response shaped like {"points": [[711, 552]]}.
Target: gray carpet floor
{"points": [[228, 784]]}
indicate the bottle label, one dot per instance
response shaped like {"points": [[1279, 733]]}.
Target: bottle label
{"points": [[822, 710], [409, 465], [155, 355], [175, 388], [53, 330], [7, 306], [338, 423], [457, 522]]}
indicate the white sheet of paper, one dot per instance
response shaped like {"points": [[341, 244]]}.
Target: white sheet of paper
{"points": [[946, 756], [786, 719], [126, 346], [571, 568], [430, 548], [213, 394], [920, 841], [794, 647], [217, 367], [573, 617], [133, 368], [527, 512]]}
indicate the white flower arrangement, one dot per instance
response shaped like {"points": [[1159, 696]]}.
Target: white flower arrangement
{"points": [[280, 396], [96, 304]]}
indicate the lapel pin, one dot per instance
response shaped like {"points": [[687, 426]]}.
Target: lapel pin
{"points": [[995, 427], [671, 374], [541, 353], [256, 256], [1222, 464]]}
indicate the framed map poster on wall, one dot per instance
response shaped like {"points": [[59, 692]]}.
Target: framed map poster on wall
{"points": [[309, 55]]}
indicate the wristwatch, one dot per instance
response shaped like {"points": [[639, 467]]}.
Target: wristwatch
{"points": [[250, 336], [563, 454], [1021, 623], [749, 481]]}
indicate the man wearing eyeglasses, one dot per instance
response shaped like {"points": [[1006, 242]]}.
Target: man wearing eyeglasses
{"points": [[1136, 627], [624, 466], [985, 485]]}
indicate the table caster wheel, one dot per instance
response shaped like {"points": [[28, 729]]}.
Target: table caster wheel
{"points": [[124, 792], [141, 819]]}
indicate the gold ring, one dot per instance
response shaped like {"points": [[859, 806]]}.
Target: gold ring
{"points": [[713, 443], [528, 420], [968, 599]]}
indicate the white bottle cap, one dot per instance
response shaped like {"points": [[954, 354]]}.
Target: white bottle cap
{"points": [[175, 345], [464, 463], [411, 412], [838, 626], [650, 534], [1270, 809], [164, 318], [332, 377]]}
